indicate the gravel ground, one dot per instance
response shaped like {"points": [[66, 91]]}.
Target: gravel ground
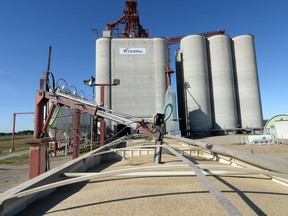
{"points": [[12, 175], [276, 150]]}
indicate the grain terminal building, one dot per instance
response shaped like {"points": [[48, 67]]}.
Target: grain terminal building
{"points": [[221, 74], [140, 65]]}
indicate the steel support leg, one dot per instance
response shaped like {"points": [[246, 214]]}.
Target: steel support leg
{"points": [[158, 152], [76, 134], [13, 133], [102, 122], [102, 131], [37, 160]]}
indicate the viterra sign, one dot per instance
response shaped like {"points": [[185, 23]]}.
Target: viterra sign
{"points": [[132, 51]]}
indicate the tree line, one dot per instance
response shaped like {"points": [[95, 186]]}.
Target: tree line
{"points": [[24, 132]]}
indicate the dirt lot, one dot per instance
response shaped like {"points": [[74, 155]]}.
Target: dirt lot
{"points": [[11, 176], [277, 150]]}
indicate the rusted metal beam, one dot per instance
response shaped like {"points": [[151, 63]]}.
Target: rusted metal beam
{"points": [[14, 128], [76, 134], [37, 160], [131, 21], [52, 109], [177, 39], [75, 104]]}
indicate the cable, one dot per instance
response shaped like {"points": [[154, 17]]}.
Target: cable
{"points": [[115, 135], [48, 86], [52, 122], [143, 124], [146, 127], [110, 138], [171, 111], [93, 143], [53, 82], [69, 124], [75, 92], [64, 88]]}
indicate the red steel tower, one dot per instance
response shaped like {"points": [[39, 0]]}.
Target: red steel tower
{"points": [[131, 21]]}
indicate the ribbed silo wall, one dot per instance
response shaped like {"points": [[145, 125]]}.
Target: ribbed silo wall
{"points": [[161, 58], [103, 69], [247, 81], [139, 63], [222, 77], [195, 69]]}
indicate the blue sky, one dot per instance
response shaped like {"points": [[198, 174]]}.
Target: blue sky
{"points": [[28, 28]]}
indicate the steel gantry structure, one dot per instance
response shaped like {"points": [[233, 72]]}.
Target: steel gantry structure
{"points": [[131, 22], [54, 97]]}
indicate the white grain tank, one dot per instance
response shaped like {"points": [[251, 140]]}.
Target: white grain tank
{"points": [[196, 75], [224, 97], [248, 82], [103, 69], [161, 59]]}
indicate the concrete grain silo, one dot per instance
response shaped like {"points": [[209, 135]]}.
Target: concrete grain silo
{"points": [[103, 65], [222, 85], [139, 63], [196, 76], [248, 82]]}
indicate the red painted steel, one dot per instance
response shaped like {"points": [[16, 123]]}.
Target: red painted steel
{"points": [[38, 145], [40, 102], [55, 142], [149, 130], [175, 40], [102, 92], [37, 164], [70, 103], [51, 112], [37, 160], [14, 128], [168, 73], [13, 133], [102, 122], [76, 134], [102, 131], [131, 21]]}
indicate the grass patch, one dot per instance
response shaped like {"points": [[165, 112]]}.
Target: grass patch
{"points": [[19, 141], [17, 160]]}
